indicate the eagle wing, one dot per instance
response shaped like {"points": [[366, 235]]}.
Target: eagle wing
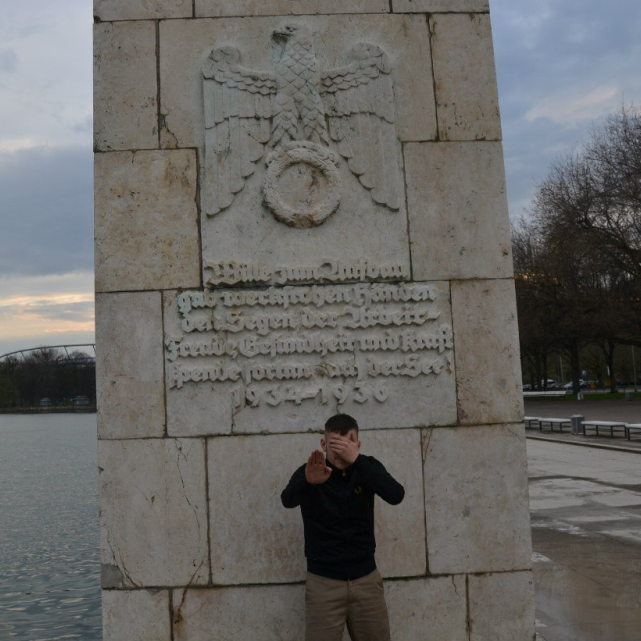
{"points": [[359, 102], [238, 110]]}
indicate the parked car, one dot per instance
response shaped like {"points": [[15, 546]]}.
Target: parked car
{"points": [[582, 384], [527, 387], [551, 384]]}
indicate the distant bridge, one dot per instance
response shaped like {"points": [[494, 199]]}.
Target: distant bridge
{"points": [[68, 357]]}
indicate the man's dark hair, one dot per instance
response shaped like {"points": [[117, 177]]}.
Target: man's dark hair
{"points": [[341, 424]]}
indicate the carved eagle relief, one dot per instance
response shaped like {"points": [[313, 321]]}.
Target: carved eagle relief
{"points": [[296, 114]]}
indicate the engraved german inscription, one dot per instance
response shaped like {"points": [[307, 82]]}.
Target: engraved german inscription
{"points": [[292, 344]]}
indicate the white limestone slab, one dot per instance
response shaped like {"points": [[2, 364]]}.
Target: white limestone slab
{"points": [[440, 6], [274, 613], [125, 88], [129, 365], [254, 539], [430, 609], [458, 214], [465, 77], [249, 8], [136, 615], [476, 499], [146, 221], [502, 607], [278, 369], [488, 368], [153, 513], [142, 9], [400, 529]]}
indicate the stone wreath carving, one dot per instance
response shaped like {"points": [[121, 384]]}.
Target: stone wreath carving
{"points": [[299, 111]]}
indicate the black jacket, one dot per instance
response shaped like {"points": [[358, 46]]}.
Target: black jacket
{"points": [[338, 516]]}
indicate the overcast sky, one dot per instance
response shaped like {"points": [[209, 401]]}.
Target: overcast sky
{"points": [[562, 65]]}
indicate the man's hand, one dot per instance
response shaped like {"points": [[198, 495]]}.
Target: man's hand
{"points": [[344, 446], [317, 471]]}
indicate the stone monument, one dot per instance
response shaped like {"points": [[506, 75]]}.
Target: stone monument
{"points": [[300, 210]]}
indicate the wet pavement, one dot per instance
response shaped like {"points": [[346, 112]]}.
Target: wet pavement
{"points": [[585, 505]]}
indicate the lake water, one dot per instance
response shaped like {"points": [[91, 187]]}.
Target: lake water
{"points": [[49, 554]]}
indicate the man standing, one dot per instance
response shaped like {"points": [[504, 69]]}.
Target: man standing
{"points": [[335, 492]]}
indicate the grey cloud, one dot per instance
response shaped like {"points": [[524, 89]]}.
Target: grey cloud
{"points": [[45, 310], [46, 211], [8, 60]]}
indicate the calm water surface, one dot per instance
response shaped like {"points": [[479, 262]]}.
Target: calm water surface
{"points": [[49, 556]]}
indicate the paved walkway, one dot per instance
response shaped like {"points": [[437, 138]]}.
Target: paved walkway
{"points": [[585, 505]]}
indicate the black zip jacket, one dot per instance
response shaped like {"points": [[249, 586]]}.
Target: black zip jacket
{"points": [[338, 516]]}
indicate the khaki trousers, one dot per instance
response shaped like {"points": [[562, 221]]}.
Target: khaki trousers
{"points": [[330, 604]]}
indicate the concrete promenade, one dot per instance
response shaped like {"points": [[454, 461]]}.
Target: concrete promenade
{"points": [[585, 505]]}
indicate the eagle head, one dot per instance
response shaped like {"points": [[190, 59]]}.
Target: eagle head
{"points": [[292, 32]]}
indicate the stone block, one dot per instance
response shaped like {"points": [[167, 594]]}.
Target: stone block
{"points": [[476, 499], [129, 355], [125, 86], [274, 613], [440, 6], [502, 607], [249, 8], [146, 221], [254, 539], [400, 529], [459, 222], [106, 10], [431, 609], [136, 615], [184, 45], [465, 77], [488, 367], [153, 513]]}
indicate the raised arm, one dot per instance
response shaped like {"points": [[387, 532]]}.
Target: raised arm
{"points": [[379, 480], [314, 472]]}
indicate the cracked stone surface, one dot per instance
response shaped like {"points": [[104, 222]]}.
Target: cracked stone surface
{"points": [[146, 223], [430, 609], [465, 77], [153, 512], [136, 615], [125, 88], [476, 499], [271, 613], [502, 607], [488, 364]]}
